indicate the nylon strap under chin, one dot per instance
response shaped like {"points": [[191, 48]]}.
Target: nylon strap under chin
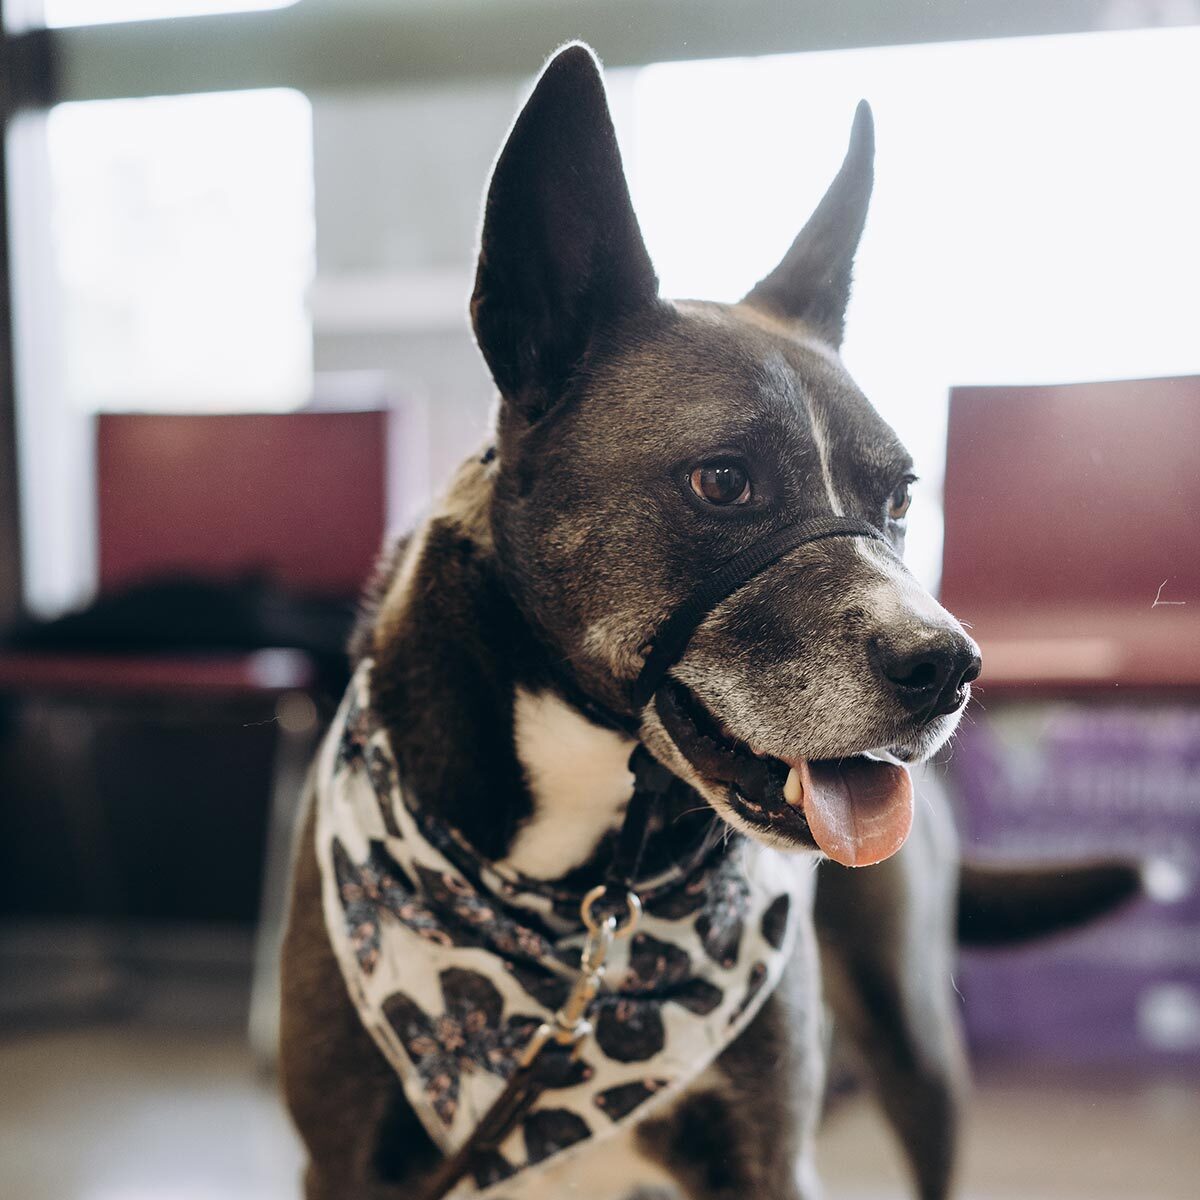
{"points": [[671, 640]]}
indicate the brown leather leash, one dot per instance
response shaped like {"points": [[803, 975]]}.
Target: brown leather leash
{"points": [[610, 912], [554, 1045]]}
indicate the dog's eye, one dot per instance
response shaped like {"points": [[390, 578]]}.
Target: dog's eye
{"points": [[721, 483], [899, 502]]}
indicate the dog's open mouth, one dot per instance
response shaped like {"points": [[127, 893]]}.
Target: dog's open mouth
{"points": [[858, 810]]}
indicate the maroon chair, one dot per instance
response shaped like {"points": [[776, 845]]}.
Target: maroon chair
{"points": [[1071, 543], [1072, 549], [299, 498], [296, 499]]}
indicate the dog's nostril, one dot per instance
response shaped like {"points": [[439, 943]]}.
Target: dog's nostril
{"points": [[971, 672], [934, 673], [921, 676]]}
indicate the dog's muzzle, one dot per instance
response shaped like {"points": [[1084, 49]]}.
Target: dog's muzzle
{"points": [[857, 810], [668, 645]]}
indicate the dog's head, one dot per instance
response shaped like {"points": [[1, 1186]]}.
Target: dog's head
{"points": [[643, 443]]}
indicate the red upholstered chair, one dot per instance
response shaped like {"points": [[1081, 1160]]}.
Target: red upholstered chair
{"points": [[300, 496], [1071, 543], [298, 499]]}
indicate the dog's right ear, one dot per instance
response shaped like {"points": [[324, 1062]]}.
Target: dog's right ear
{"points": [[560, 252]]}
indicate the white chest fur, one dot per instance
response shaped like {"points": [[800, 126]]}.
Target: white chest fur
{"points": [[578, 774]]}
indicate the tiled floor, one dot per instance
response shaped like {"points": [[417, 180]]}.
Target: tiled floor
{"points": [[125, 1114]]}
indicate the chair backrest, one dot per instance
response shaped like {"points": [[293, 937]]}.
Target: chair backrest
{"points": [[1075, 496], [299, 497], [1071, 542]]}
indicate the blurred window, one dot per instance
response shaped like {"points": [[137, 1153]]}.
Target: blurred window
{"points": [[183, 233], [1033, 220], [163, 251]]}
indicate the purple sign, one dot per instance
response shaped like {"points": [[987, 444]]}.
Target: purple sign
{"points": [[1055, 781]]}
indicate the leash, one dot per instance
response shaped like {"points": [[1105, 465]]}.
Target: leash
{"points": [[611, 911], [546, 1060]]}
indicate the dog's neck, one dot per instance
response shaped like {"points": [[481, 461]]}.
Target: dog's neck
{"points": [[465, 691]]}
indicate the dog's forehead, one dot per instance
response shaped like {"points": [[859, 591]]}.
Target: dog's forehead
{"points": [[727, 371]]}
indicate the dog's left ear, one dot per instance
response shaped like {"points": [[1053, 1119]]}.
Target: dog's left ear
{"points": [[812, 283], [561, 253]]}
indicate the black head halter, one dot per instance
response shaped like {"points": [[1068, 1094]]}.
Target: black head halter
{"points": [[667, 646]]}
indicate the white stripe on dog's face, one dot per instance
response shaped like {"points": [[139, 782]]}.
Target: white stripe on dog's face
{"points": [[897, 596], [579, 778], [821, 441]]}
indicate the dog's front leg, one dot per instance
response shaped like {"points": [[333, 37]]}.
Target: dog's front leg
{"points": [[887, 941], [746, 1128]]}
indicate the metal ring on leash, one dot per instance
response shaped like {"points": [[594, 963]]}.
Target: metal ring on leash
{"points": [[633, 904]]}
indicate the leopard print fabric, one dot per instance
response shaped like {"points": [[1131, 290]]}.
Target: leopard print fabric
{"points": [[453, 963]]}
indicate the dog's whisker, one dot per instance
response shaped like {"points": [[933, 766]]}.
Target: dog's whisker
{"points": [[688, 811]]}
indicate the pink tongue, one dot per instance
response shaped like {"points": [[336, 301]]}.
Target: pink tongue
{"points": [[859, 810]]}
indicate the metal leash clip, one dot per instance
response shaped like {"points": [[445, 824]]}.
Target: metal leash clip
{"points": [[570, 1026], [539, 1065]]}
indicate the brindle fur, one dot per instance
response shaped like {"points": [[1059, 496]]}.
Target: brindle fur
{"points": [[546, 567]]}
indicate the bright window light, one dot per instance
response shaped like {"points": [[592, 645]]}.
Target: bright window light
{"points": [[60, 13], [183, 232], [1034, 216]]}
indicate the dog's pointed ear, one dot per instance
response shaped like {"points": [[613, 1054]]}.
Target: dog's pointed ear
{"points": [[560, 252], [812, 283]]}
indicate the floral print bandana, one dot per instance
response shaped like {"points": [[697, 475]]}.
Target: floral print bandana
{"points": [[453, 962]]}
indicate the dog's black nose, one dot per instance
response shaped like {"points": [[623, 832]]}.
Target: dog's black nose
{"points": [[929, 678]]}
